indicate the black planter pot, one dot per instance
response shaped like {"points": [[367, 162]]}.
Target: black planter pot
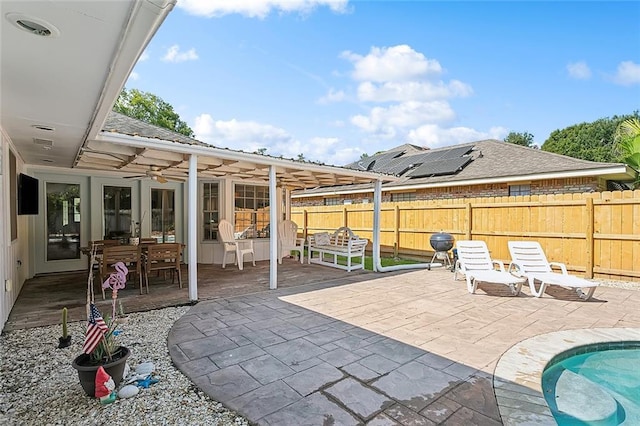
{"points": [[87, 372]]}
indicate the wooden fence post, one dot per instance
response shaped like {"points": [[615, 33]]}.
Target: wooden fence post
{"points": [[344, 217], [589, 237], [396, 231], [469, 224], [305, 224]]}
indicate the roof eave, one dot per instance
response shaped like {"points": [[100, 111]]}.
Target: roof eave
{"points": [[135, 38], [617, 172]]}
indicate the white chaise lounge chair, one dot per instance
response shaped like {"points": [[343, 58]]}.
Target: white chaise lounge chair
{"points": [[477, 266], [528, 259]]}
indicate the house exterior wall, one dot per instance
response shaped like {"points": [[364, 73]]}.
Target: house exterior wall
{"points": [[14, 254], [541, 187], [92, 221]]}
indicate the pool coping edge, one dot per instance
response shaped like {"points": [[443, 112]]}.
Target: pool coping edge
{"points": [[517, 378]]}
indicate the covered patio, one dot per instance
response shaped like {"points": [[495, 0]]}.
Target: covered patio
{"points": [[41, 300]]}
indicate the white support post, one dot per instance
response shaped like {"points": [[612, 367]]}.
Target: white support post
{"points": [[273, 229], [193, 227], [377, 201]]}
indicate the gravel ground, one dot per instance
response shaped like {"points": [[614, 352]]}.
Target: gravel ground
{"points": [[38, 386]]}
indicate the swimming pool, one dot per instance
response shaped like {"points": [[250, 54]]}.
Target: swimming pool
{"points": [[596, 384]]}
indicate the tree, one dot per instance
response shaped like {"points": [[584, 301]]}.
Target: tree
{"points": [[627, 140], [151, 109], [524, 139], [588, 141], [261, 151], [364, 155], [301, 157]]}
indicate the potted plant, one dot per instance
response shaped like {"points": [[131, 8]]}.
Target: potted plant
{"points": [[65, 340], [107, 353], [100, 348]]}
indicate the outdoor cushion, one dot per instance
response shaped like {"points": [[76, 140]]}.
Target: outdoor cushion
{"points": [[322, 239]]}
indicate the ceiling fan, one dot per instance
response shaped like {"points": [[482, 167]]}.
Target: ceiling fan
{"points": [[155, 173]]}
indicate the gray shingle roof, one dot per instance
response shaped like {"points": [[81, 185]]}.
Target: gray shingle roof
{"points": [[490, 159], [120, 123], [494, 158]]}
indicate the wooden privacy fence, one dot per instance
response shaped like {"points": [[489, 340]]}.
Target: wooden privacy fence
{"points": [[595, 234]]}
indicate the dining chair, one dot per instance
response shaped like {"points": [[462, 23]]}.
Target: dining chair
{"points": [[127, 254], [99, 246], [163, 257]]}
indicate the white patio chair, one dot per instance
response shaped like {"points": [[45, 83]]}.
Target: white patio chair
{"points": [[232, 245], [477, 266], [288, 240], [528, 259]]}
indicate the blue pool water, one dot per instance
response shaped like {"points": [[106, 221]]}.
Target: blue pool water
{"points": [[595, 385]]}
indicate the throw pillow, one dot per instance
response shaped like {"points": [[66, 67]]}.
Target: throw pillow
{"points": [[322, 238]]}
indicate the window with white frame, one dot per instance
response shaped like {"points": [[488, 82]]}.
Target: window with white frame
{"points": [[403, 196], [520, 189], [251, 212], [334, 201], [210, 210]]}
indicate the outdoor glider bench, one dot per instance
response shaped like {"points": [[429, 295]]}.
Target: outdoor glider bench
{"points": [[327, 249]]}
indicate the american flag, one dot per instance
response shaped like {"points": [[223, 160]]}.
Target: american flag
{"points": [[95, 330]]}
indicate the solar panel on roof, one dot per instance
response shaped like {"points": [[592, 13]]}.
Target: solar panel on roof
{"points": [[450, 153], [440, 167], [456, 152], [398, 165], [382, 160]]}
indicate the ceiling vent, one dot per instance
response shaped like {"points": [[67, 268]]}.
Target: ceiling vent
{"points": [[44, 143], [33, 25]]}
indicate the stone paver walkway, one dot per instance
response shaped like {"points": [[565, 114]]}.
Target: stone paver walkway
{"points": [[410, 348]]}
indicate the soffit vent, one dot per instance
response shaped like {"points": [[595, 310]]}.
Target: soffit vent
{"points": [[44, 143]]}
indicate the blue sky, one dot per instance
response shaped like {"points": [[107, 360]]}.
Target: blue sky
{"points": [[333, 79]]}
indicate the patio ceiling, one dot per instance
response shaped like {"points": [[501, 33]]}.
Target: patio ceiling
{"points": [[141, 156], [62, 65]]}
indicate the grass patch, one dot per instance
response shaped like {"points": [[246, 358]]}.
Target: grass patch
{"points": [[387, 261], [368, 261]]}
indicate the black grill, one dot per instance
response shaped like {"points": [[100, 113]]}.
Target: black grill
{"points": [[441, 241]]}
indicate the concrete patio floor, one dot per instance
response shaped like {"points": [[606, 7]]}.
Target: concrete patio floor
{"points": [[411, 348]]}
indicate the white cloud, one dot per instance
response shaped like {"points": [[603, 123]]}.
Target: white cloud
{"points": [[412, 90], [434, 136], [144, 56], [134, 76], [579, 70], [250, 136], [257, 8], [332, 96], [397, 63], [246, 136], [175, 55], [628, 73], [386, 121]]}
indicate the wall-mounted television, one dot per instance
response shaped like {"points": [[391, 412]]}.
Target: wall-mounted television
{"points": [[27, 194]]}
